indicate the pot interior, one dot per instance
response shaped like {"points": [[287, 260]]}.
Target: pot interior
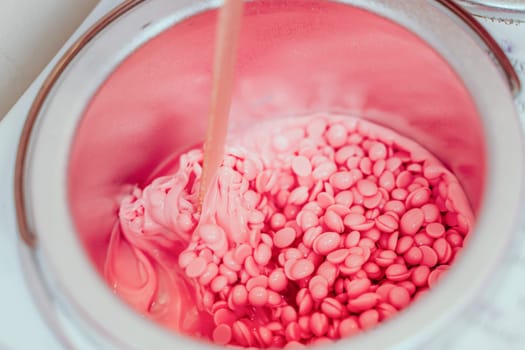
{"points": [[295, 58]]}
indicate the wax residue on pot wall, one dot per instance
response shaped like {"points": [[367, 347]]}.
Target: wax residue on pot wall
{"points": [[316, 228]]}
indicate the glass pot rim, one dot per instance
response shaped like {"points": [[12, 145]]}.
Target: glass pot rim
{"points": [[42, 160]]}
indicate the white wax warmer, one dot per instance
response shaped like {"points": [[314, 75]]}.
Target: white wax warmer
{"points": [[135, 89]]}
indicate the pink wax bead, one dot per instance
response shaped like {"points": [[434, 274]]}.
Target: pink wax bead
{"points": [[265, 336], [379, 167], [366, 187], [341, 180], [377, 151], [348, 327], [397, 272], [395, 206], [219, 283], [292, 332], [363, 302], [386, 311], [443, 250], [422, 238], [435, 230], [211, 271], [414, 168], [369, 319], [301, 166], [288, 315], [357, 287], [274, 298], [304, 301], [259, 281], [325, 200], [384, 290], [413, 256], [301, 269], [353, 162], [399, 194], [290, 211], [399, 297], [239, 295], [242, 334], [318, 287], [432, 170], [222, 334], [393, 241], [307, 219], [404, 179], [324, 171], [393, 163], [373, 270], [230, 275], [337, 256], [316, 127], [319, 324], [278, 220], [262, 254], [365, 165], [333, 221], [386, 223], [326, 243], [454, 238], [354, 262], [284, 237], [310, 235], [344, 198], [339, 209], [430, 257], [373, 234], [352, 239], [342, 154], [336, 135], [409, 286], [328, 271], [251, 266], [298, 196], [387, 180], [411, 221], [196, 268], [255, 217], [354, 220], [293, 254], [373, 201], [224, 316], [332, 308], [386, 258], [230, 261], [258, 296], [404, 244], [418, 198]]}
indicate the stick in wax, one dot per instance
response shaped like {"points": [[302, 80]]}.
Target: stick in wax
{"points": [[228, 27]]}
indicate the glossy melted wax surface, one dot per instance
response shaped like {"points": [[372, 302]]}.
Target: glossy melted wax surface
{"points": [[315, 228]]}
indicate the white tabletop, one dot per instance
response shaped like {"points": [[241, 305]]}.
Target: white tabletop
{"points": [[31, 32]]}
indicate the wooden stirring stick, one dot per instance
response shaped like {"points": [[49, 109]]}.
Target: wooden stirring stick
{"points": [[228, 27]]}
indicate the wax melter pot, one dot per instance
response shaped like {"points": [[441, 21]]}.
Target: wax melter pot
{"points": [[135, 90]]}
